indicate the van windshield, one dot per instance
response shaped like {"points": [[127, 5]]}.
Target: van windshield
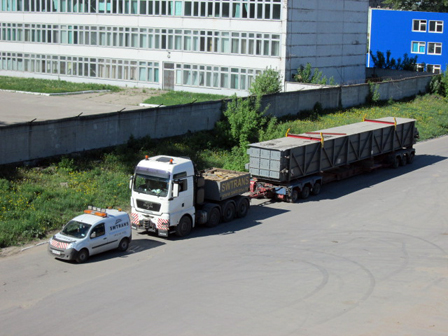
{"points": [[76, 229], [151, 185]]}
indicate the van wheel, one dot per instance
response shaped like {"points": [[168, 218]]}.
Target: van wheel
{"points": [[214, 217], [184, 227], [124, 245], [83, 255]]}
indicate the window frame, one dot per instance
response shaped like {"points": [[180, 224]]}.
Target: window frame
{"points": [[420, 23], [419, 46], [436, 44], [438, 23]]}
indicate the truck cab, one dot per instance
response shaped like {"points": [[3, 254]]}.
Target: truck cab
{"points": [[162, 195], [95, 231]]}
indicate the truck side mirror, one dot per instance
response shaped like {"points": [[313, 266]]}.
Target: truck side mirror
{"points": [[175, 190], [130, 182]]}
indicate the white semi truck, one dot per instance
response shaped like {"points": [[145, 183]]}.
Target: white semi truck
{"points": [[168, 195]]}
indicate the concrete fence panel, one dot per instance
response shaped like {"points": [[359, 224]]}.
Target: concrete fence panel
{"points": [[30, 141]]}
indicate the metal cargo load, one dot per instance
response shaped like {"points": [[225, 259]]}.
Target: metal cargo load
{"points": [[221, 184], [296, 156]]}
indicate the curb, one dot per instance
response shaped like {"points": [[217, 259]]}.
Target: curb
{"points": [[56, 94]]}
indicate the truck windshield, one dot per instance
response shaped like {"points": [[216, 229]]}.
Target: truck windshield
{"points": [[151, 185], [76, 229]]}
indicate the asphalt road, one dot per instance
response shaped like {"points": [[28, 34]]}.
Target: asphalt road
{"points": [[368, 256]]}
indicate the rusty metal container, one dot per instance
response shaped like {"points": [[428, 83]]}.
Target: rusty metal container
{"points": [[295, 156]]}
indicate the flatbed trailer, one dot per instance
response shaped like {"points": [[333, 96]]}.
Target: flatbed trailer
{"points": [[299, 164]]}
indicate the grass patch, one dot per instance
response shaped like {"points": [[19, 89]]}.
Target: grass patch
{"points": [[182, 97], [50, 86], [35, 201]]}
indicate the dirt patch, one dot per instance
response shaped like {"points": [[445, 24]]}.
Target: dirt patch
{"points": [[129, 96]]}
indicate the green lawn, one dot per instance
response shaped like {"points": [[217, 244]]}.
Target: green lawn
{"points": [[49, 86]]}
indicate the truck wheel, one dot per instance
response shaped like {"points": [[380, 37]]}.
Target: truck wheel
{"points": [[124, 245], [410, 157], [214, 217], [294, 196], [228, 212], [242, 207], [184, 227], [317, 188], [83, 255], [403, 160], [305, 193]]}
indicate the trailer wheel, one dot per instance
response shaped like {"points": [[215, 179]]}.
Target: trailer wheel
{"points": [[317, 188], [293, 198], [83, 255], [184, 226], [242, 207], [395, 162], [410, 157], [305, 193], [228, 212], [214, 217], [403, 160]]}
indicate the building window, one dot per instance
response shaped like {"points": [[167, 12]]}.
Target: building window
{"points": [[435, 26], [418, 47], [419, 25], [434, 68], [434, 48]]}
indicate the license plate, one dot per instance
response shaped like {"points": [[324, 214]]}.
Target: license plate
{"points": [[56, 252]]}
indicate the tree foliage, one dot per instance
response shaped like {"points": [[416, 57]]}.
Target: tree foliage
{"points": [[245, 119], [439, 84], [305, 74], [422, 5], [269, 81], [386, 62]]}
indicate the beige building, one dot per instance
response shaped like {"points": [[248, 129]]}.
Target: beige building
{"points": [[202, 46]]}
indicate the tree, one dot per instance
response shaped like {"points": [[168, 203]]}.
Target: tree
{"points": [[269, 81], [422, 5], [386, 62], [305, 74]]}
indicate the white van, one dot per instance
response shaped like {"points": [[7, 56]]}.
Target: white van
{"points": [[95, 231]]}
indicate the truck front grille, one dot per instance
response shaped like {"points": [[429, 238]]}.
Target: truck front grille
{"points": [[151, 206]]}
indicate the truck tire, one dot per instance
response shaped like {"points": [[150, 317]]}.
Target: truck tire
{"points": [[214, 217], [410, 157], [293, 198], [184, 227], [305, 192], [124, 245], [83, 255], [317, 188], [242, 207], [228, 211]]}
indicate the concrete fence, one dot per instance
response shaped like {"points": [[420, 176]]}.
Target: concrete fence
{"points": [[36, 140]]}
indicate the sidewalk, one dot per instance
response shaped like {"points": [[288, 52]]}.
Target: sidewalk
{"points": [[20, 107]]}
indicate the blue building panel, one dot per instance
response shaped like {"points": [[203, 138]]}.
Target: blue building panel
{"points": [[421, 34]]}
